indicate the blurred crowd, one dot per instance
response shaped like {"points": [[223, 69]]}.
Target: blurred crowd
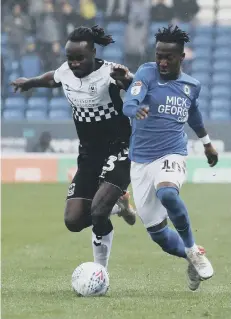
{"points": [[41, 26]]}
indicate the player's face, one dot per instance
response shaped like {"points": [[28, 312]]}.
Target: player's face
{"points": [[80, 58], [168, 59]]}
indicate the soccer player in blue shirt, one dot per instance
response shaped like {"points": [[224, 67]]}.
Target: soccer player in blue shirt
{"points": [[160, 100]]}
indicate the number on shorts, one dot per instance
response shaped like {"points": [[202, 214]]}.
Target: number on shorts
{"points": [[110, 163]]}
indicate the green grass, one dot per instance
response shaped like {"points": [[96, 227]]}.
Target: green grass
{"points": [[39, 255]]}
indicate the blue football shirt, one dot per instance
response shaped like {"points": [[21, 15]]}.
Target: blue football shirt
{"points": [[171, 104]]}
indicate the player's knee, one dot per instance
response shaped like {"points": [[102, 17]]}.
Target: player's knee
{"points": [[167, 195], [73, 225], [161, 237], [77, 215]]}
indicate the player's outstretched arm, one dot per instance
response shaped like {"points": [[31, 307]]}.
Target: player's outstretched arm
{"points": [[195, 121], [45, 80], [135, 96]]}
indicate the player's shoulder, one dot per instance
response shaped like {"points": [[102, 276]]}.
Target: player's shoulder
{"points": [[64, 67], [108, 64], [148, 66], [188, 79], [190, 84], [106, 67], [148, 70], [61, 72]]}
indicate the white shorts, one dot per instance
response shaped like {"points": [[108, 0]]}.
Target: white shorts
{"points": [[145, 178]]}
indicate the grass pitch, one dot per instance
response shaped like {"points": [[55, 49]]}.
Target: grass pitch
{"points": [[39, 255]]}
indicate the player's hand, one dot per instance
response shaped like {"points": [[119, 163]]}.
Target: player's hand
{"points": [[142, 113], [119, 72], [211, 154], [20, 84]]}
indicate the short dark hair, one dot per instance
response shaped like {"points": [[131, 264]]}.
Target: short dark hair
{"points": [[172, 35], [91, 35]]}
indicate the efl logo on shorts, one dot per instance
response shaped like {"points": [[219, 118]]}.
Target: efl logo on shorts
{"points": [[71, 190]]}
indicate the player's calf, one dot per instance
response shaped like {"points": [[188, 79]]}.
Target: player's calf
{"points": [[102, 204], [168, 239], [102, 232], [177, 211]]}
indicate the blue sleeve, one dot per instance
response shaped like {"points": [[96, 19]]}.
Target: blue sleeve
{"points": [[136, 93], [195, 120]]}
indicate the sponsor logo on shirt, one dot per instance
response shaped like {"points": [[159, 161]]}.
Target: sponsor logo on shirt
{"points": [[177, 106]]}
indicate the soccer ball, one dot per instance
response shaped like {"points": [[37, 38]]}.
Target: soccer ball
{"points": [[90, 279]]}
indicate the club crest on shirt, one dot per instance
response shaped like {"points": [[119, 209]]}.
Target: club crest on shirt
{"points": [[186, 89], [136, 88], [92, 89]]}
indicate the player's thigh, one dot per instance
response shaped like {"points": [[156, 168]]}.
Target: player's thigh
{"points": [[149, 207], [116, 169], [170, 169], [82, 188]]}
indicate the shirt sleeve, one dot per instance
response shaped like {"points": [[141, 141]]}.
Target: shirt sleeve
{"points": [[57, 76], [195, 120], [136, 93]]}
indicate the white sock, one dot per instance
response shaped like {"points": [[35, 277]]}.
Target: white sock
{"points": [[115, 210], [102, 248]]}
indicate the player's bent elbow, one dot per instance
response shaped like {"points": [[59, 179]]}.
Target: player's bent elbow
{"points": [[130, 108], [127, 111]]}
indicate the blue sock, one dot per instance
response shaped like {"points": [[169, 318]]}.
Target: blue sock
{"points": [[177, 212], [169, 240]]}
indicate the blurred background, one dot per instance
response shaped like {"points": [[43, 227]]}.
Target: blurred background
{"points": [[33, 36]]}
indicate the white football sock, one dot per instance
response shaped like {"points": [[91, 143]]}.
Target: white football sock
{"points": [[115, 210], [102, 248]]}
